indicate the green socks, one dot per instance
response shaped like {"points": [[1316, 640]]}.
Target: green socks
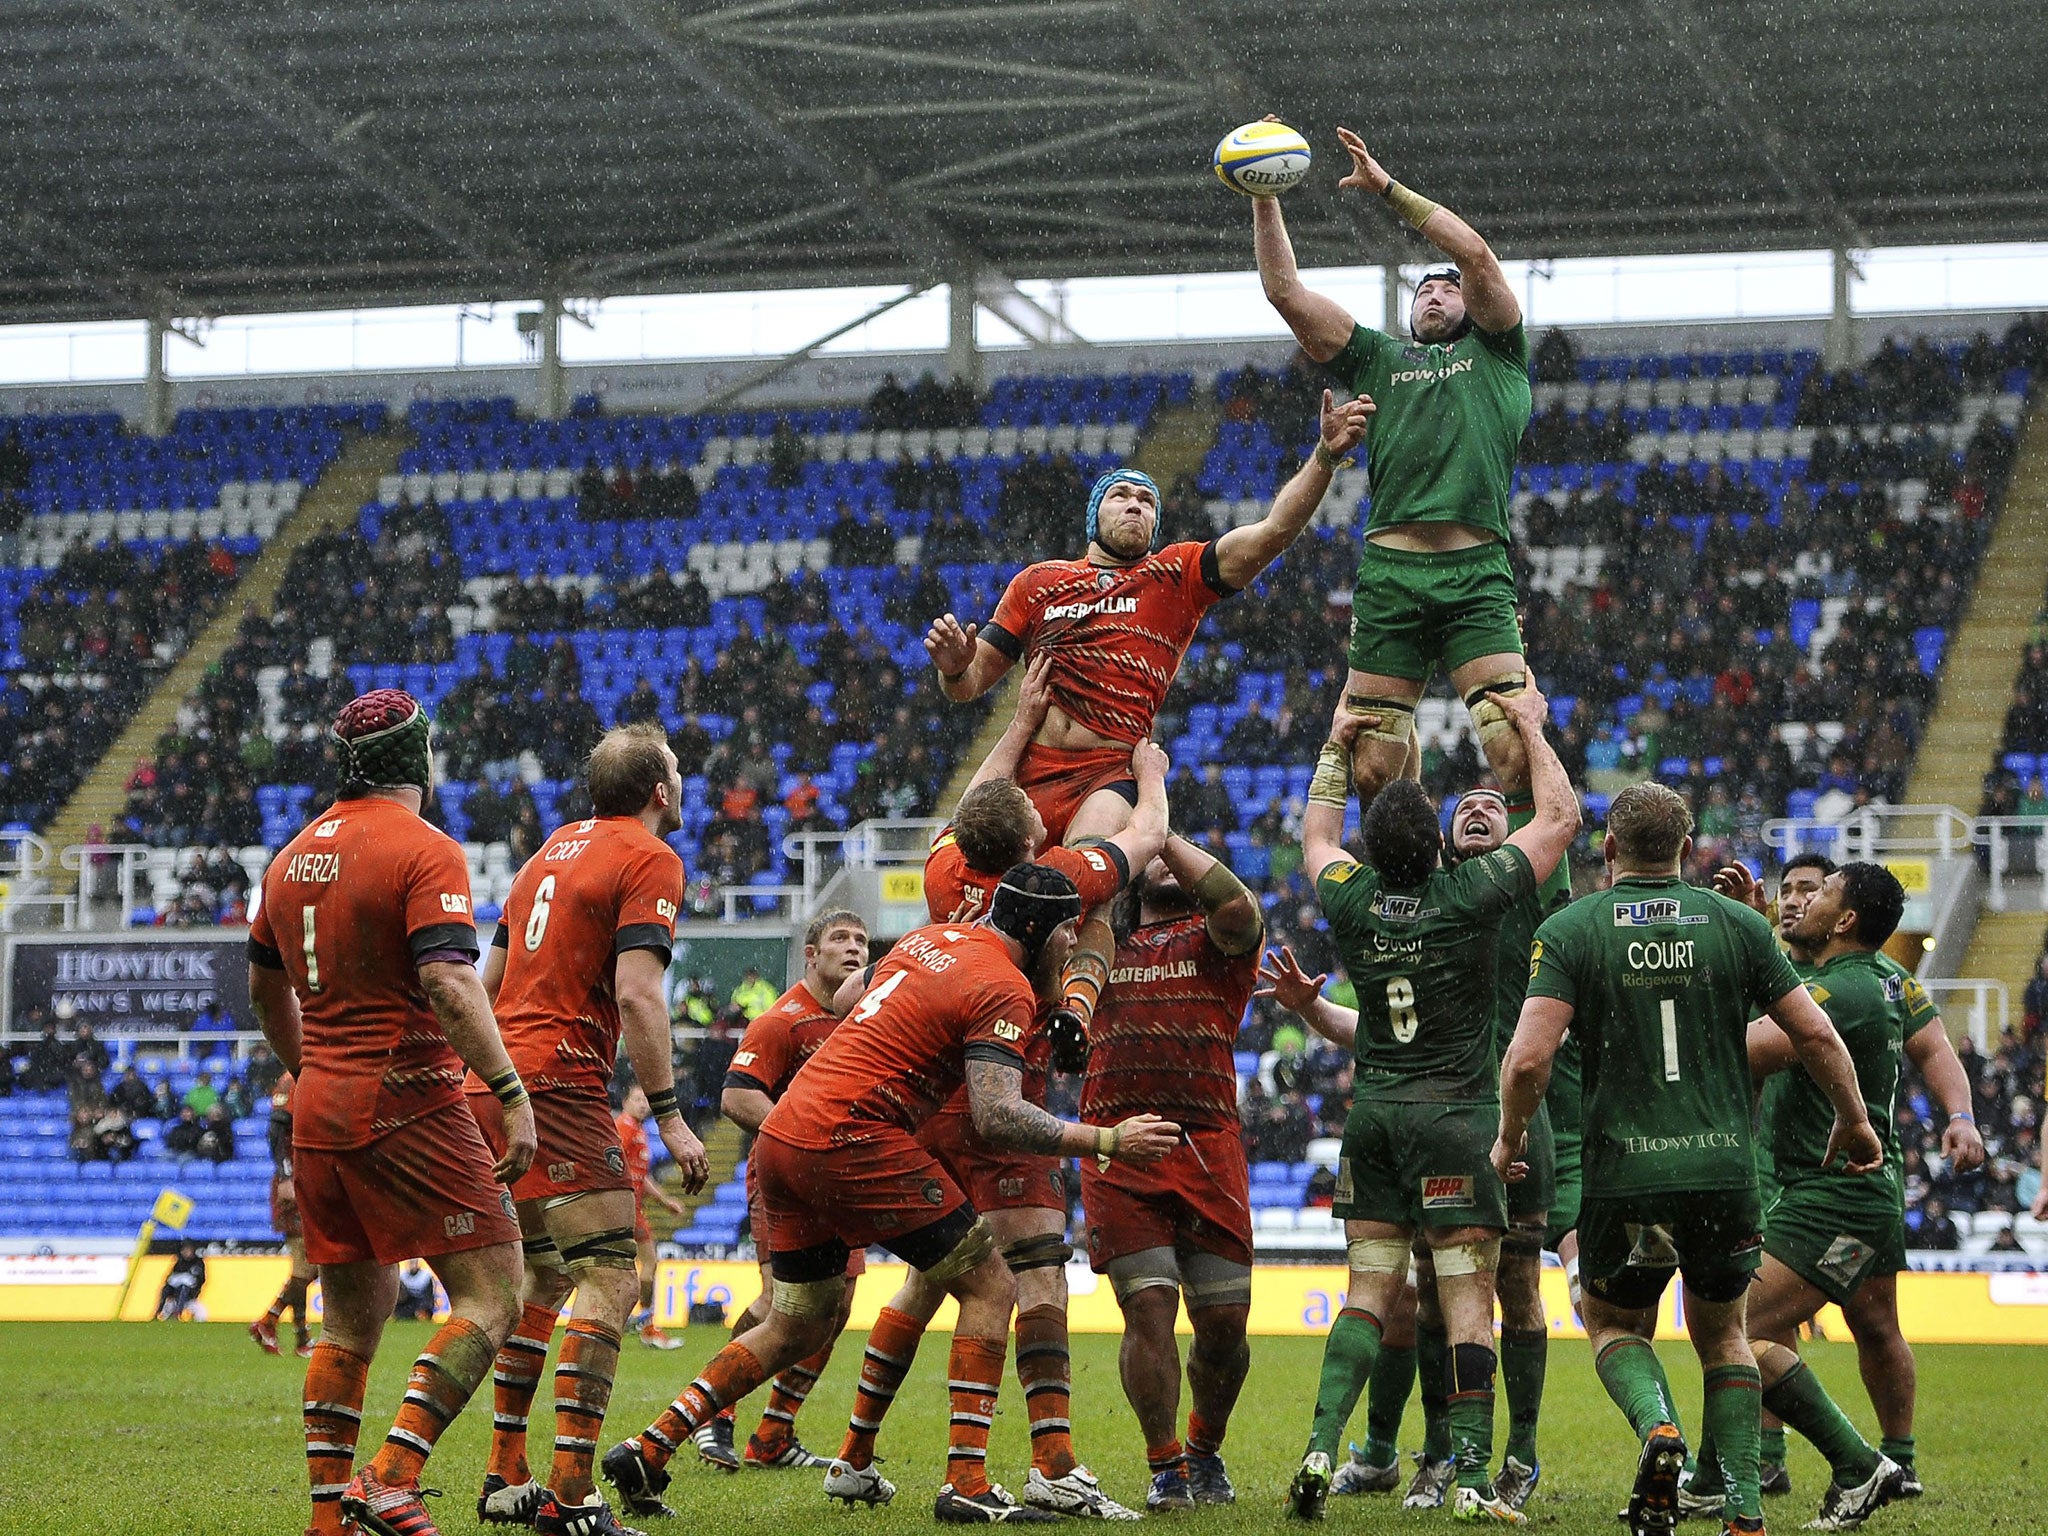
{"points": [[1523, 1355], [1706, 1478], [1900, 1449], [1801, 1401], [1433, 1366], [1386, 1399], [1734, 1422], [1634, 1377], [1470, 1401], [1771, 1449], [1347, 1362]]}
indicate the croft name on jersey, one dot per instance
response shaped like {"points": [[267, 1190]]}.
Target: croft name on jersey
{"points": [[1084, 610], [314, 868]]}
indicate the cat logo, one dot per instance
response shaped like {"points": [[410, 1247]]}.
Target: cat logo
{"points": [[461, 1224], [1003, 1029], [745, 1058], [451, 903], [1010, 1189], [663, 907], [327, 828], [562, 1172], [1096, 861]]}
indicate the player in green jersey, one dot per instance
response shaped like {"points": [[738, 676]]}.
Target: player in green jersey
{"points": [[1890, 1374], [1659, 980], [1435, 587], [1417, 942]]}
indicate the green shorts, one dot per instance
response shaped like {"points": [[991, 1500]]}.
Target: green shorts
{"points": [[1420, 1165], [1571, 1190], [1631, 1245], [1415, 610], [1532, 1197], [1832, 1244]]}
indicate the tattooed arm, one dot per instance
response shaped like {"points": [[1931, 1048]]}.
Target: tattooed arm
{"points": [[995, 1092]]}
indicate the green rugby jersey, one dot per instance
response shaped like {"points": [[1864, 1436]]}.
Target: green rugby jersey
{"points": [[1448, 424], [1422, 962], [1875, 1007], [1663, 979], [1767, 1104]]}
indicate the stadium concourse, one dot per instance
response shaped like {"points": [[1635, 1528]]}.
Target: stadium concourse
{"points": [[1767, 558]]}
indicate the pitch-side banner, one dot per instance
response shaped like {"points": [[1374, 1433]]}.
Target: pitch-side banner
{"points": [[133, 985]]}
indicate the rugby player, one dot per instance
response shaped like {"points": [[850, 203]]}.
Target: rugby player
{"points": [[1659, 979], [284, 1215], [840, 1167], [1890, 1375], [1434, 583], [575, 969], [780, 1040], [1419, 944], [1117, 622], [362, 971], [1188, 941]]}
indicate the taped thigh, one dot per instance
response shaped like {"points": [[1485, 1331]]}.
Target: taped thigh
{"points": [[810, 1300], [1041, 1250], [543, 1255], [1397, 718], [1476, 1258], [1522, 1242], [970, 1253], [1143, 1270], [1210, 1280], [1489, 720], [613, 1248], [1377, 1255]]}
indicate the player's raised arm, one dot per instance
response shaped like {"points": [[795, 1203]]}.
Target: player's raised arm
{"points": [[1489, 297], [643, 1027], [1828, 1062], [1034, 698], [1302, 995], [968, 665], [995, 1092], [1329, 795], [1244, 552], [1546, 838], [1235, 920], [1320, 323], [1930, 1049]]}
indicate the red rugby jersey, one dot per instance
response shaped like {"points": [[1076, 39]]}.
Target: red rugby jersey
{"points": [[782, 1037]]}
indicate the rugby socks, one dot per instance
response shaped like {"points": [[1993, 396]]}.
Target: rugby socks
{"points": [[1707, 1479], [1634, 1377], [1733, 1417], [1088, 969], [1347, 1362], [1469, 1395], [335, 1379], [1524, 1356], [974, 1373], [1045, 1370], [446, 1374], [1898, 1447], [1801, 1401], [291, 1299], [515, 1377], [1203, 1440], [1386, 1399], [732, 1373], [1166, 1458], [892, 1345], [785, 1400], [583, 1390], [1433, 1366], [1771, 1448]]}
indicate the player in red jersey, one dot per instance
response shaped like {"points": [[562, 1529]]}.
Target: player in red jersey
{"points": [[840, 1167], [781, 1039], [1188, 943], [362, 970], [575, 968], [284, 1215], [631, 1121], [1117, 622]]}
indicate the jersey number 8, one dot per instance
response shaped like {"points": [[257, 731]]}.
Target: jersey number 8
{"points": [[1401, 1014]]}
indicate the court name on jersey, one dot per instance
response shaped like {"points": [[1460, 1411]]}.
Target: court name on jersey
{"points": [[927, 954], [1660, 954], [1100, 606]]}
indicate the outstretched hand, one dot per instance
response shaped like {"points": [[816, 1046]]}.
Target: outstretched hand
{"points": [[1345, 724], [1344, 422], [950, 644], [1286, 982], [1366, 172], [1736, 883], [1034, 697]]}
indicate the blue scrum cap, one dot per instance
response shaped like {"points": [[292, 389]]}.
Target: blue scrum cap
{"points": [[1126, 477]]}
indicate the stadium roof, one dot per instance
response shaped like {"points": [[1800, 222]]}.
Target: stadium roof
{"points": [[184, 157]]}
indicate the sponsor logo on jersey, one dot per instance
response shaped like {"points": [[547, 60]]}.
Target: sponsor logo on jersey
{"points": [[1337, 874], [1442, 1191], [1095, 861], [615, 1159], [1535, 957], [1010, 1189], [1650, 1247], [1895, 989], [1658, 912], [1845, 1260], [461, 1224], [1342, 1194], [313, 868], [1003, 1029], [663, 907], [1173, 970], [328, 828], [744, 1058], [562, 1172], [1099, 607], [1429, 375], [1400, 909], [451, 902]]}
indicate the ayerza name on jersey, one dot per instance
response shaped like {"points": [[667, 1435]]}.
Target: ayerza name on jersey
{"points": [[314, 868], [1174, 970], [925, 953], [1416, 375], [1699, 1141], [1099, 606], [1657, 912], [1660, 954]]}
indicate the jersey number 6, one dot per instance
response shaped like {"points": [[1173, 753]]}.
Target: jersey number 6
{"points": [[537, 920]]}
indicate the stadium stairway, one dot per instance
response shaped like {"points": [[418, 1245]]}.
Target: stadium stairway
{"points": [[335, 502], [724, 1143], [2004, 947]]}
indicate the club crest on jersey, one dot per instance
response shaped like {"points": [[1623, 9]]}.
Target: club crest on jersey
{"points": [[1658, 911], [1104, 581], [615, 1159], [933, 1193], [1444, 1191]]}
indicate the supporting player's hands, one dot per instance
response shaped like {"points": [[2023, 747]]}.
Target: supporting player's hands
{"points": [[1366, 172], [950, 644], [1144, 1139], [1856, 1145], [1507, 1160], [687, 1150], [1961, 1147], [1286, 982], [1529, 710], [1149, 762], [1736, 883], [1034, 697], [520, 1143], [1344, 422], [1345, 725]]}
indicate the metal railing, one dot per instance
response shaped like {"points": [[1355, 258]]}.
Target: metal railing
{"points": [[25, 871], [2013, 847], [91, 862], [874, 844], [1990, 1004], [1876, 830]]}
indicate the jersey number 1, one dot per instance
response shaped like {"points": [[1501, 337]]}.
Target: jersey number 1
{"points": [[312, 956], [1401, 1014], [1667, 1010]]}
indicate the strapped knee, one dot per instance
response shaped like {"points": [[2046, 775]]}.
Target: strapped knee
{"points": [[1397, 718], [809, 1300], [611, 1249], [1145, 1270], [542, 1255], [1480, 1258], [1489, 720], [1521, 1242], [1377, 1255], [971, 1252], [1042, 1250]]}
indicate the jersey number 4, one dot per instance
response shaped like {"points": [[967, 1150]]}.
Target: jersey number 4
{"points": [[871, 1002]]}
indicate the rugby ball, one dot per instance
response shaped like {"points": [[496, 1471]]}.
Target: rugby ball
{"points": [[1261, 159]]}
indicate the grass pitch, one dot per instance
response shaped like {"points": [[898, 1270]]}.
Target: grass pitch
{"points": [[161, 1428]]}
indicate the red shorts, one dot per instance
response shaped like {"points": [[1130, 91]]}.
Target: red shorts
{"points": [[1181, 1201], [995, 1179], [856, 1257], [579, 1143], [422, 1190], [1058, 779], [876, 1190]]}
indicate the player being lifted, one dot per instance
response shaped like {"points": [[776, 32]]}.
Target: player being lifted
{"points": [[1117, 622], [1419, 944], [362, 971], [575, 968], [782, 1037], [841, 1167], [1188, 941], [1658, 980], [1434, 582], [1871, 1305]]}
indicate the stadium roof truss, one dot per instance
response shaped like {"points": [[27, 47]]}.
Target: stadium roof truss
{"points": [[191, 157]]}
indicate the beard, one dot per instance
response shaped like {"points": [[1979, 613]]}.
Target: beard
{"points": [[1119, 546]]}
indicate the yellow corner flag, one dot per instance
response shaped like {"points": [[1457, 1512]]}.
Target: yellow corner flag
{"points": [[171, 1210]]}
